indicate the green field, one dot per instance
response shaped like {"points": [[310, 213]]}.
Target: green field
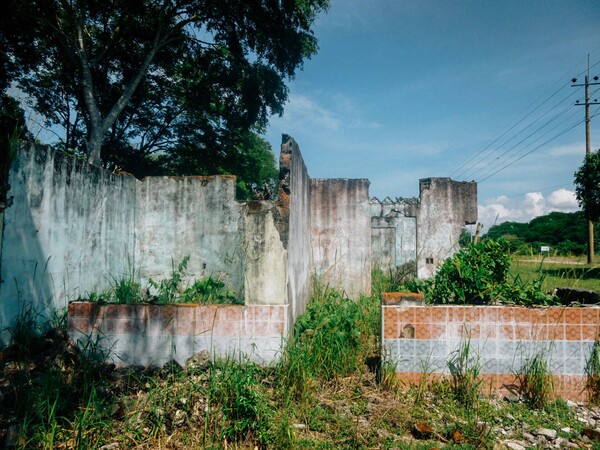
{"points": [[558, 271]]}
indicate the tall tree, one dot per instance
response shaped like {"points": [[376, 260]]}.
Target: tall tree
{"points": [[137, 77], [587, 186]]}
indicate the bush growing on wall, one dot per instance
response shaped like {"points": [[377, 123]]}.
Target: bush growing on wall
{"points": [[479, 274], [473, 275]]}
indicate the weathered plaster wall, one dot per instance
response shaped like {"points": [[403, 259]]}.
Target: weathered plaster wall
{"points": [[266, 269], [74, 228], [295, 184], [446, 206], [425, 229], [341, 234], [393, 232], [156, 334], [190, 216], [70, 225]]}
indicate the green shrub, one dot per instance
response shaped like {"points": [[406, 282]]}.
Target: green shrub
{"points": [[479, 275], [473, 275]]}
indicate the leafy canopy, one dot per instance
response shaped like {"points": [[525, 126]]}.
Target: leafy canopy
{"points": [[566, 233], [587, 186], [145, 84]]}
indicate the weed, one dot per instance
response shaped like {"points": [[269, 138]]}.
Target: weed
{"points": [[210, 291], [426, 371], [127, 289], [534, 381], [464, 370], [26, 332], [592, 370], [392, 279], [168, 288], [388, 379]]}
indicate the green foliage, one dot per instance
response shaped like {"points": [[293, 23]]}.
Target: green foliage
{"points": [[587, 186], [392, 279], [168, 288], [592, 370], [211, 291], [479, 274], [57, 398], [207, 290], [147, 81], [534, 382], [128, 290], [566, 233], [464, 369], [527, 293], [236, 391], [332, 339], [473, 275]]}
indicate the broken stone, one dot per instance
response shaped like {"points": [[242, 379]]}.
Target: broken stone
{"points": [[112, 446], [515, 445], [199, 362], [547, 433], [179, 418], [529, 437]]}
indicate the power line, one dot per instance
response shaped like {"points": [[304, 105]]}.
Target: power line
{"points": [[556, 116], [531, 151], [477, 162], [491, 167]]}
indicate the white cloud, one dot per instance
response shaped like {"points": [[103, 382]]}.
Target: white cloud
{"points": [[531, 205], [563, 200], [569, 149], [302, 109]]}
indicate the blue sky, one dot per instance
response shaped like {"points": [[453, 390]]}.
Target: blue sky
{"points": [[409, 89]]}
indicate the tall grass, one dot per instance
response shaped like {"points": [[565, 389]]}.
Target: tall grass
{"points": [[332, 339]]}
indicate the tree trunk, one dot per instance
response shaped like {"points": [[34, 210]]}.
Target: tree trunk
{"points": [[94, 146]]}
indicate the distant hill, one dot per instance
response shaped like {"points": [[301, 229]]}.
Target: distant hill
{"points": [[565, 233]]}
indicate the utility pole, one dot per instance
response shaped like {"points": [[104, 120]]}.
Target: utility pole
{"points": [[588, 145]]}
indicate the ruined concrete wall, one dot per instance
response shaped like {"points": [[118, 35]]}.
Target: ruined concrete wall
{"points": [[341, 234], [74, 229], [446, 206], [393, 232], [265, 268], [189, 216], [69, 226], [295, 188]]}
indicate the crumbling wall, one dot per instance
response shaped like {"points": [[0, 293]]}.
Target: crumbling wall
{"points": [[294, 202], [74, 229], [393, 232], [446, 206], [189, 216], [69, 226], [424, 229], [341, 234], [265, 257]]}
